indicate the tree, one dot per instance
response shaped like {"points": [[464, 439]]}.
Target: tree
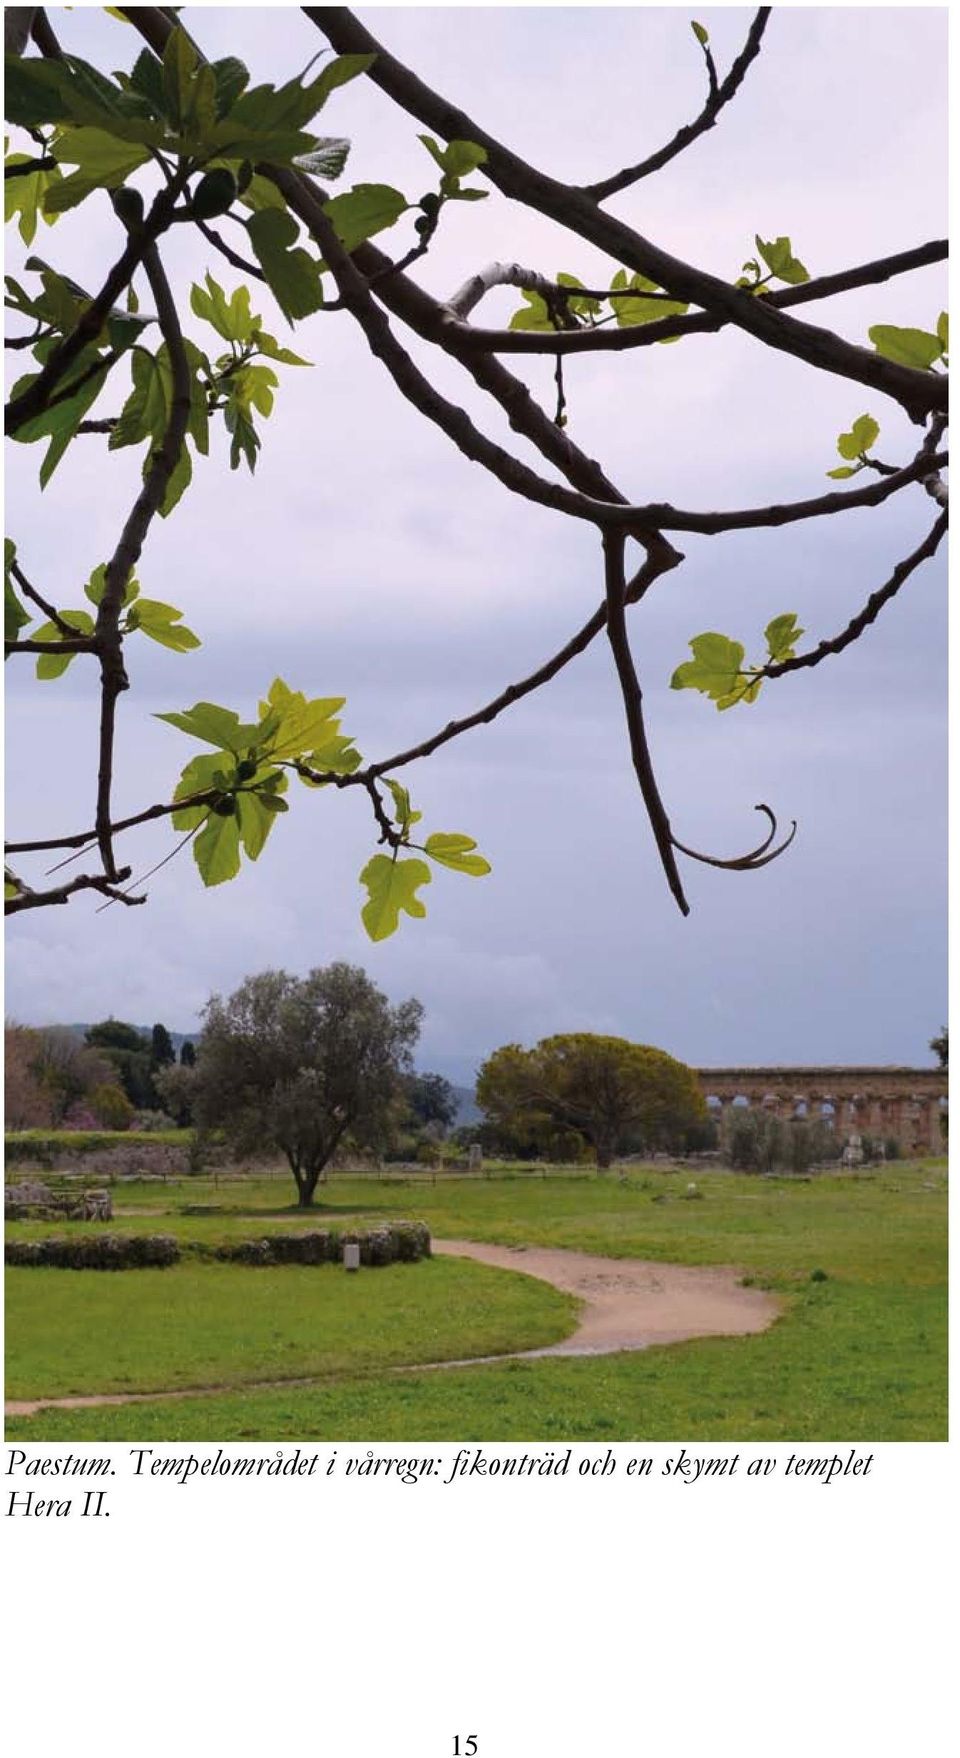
{"points": [[198, 132], [27, 1104], [431, 1099], [940, 1046], [130, 1053], [68, 1069], [162, 1051], [111, 1107], [292, 1064], [176, 1085], [188, 1054], [612, 1092]]}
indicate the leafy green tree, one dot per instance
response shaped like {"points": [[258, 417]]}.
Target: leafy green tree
{"points": [[291, 1065], [940, 1045], [609, 1091], [431, 1099], [176, 1085], [188, 1054], [111, 1107], [179, 144], [130, 1053]]}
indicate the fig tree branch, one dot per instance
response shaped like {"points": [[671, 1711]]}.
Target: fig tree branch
{"points": [[919, 392], [870, 611], [718, 95]]}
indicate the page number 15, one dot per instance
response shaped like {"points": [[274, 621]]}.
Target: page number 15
{"points": [[464, 1745]]}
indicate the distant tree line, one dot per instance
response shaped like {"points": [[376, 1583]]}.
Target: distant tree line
{"points": [[107, 1079]]}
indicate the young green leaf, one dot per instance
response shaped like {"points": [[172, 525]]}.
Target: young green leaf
{"points": [[298, 726], [53, 665], [715, 668], [97, 585], [15, 617], [863, 434], [534, 315], [844, 470], [702, 35], [162, 623], [782, 635], [293, 274], [392, 887], [364, 210], [233, 321], [403, 812], [629, 312], [199, 775], [943, 332], [102, 162], [59, 422], [267, 345], [455, 851], [778, 255], [917, 348], [256, 816], [27, 195], [215, 726], [216, 849]]}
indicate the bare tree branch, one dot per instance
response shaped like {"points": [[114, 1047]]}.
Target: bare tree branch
{"points": [[35, 900], [718, 95], [633, 706], [49, 610], [868, 614]]}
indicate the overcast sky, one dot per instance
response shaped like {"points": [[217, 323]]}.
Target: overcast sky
{"points": [[368, 559]]}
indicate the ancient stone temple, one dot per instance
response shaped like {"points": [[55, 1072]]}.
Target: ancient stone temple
{"points": [[903, 1103]]}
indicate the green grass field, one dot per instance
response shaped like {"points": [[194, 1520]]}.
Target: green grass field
{"points": [[859, 1353]]}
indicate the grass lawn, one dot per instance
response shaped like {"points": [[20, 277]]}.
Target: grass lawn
{"points": [[72, 1331], [859, 1355]]}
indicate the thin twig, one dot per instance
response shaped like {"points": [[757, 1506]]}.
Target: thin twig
{"points": [[868, 614], [49, 611], [918, 392], [35, 900], [718, 95], [232, 256]]}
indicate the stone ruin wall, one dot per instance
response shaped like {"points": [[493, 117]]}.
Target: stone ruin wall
{"points": [[904, 1103]]}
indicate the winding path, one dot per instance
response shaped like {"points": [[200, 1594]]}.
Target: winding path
{"points": [[627, 1304]]}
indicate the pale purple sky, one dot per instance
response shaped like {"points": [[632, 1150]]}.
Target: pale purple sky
{"points": [[368, 559]]}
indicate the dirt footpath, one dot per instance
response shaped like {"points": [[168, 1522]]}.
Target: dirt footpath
{"points": [[629, 1303]]}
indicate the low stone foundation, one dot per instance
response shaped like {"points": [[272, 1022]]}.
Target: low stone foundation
{"points": [[398, 1242], [35, 1202]]}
